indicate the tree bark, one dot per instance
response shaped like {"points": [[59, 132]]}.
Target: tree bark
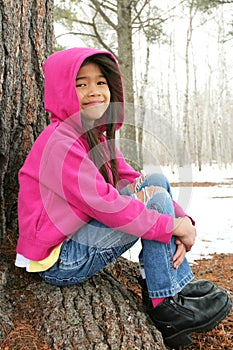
{"points": [[25, 40], [128, 142], [102, 313]]}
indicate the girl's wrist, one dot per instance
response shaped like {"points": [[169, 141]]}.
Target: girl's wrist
{"points": [[176, 222], [131, 187]]}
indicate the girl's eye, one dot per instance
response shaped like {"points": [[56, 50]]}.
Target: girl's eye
{"points": [[102, 82], [80, 84]]}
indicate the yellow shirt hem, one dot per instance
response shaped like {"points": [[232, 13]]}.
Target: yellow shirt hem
{"points": [[45, 264]]}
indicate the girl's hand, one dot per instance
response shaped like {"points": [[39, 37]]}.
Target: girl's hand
{"points": [[134, 186], [147, 192], [180, 254], [185, 231]]}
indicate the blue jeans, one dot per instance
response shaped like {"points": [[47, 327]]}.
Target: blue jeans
{"points": [[95, 245]]}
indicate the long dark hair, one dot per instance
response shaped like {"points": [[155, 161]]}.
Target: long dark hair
{"points": [[111, 73]]}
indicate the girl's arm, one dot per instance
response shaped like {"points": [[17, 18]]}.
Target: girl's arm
{"points": [[126, 172], [77, 181], [180, 213]]}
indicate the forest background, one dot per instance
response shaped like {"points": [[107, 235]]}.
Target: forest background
{"points": [[176, 59]]}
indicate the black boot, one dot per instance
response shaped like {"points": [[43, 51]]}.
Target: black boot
{"points": [[146, 300], [177, 317], [196, 288]]}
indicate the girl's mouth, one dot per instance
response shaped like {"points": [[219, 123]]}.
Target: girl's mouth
{"points": [[92, 103]]}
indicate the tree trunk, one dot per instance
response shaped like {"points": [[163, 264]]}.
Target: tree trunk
{"points": [[25, 40], [186, 95], [128, 140], [142, 105], [102, 313]]}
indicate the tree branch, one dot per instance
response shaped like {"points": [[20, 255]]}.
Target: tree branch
{"points": [[147, 23], [99, 37], [103, 15], [75, 33], [112, 7], [76, 20], [139, 13], [220, 2]]}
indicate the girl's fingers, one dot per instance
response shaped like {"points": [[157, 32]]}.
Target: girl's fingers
{"points": [[179, 255]]}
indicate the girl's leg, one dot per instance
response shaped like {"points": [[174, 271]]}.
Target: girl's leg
{"points": [[177, 316], [162, 278], [88, 251], [157, 180]]}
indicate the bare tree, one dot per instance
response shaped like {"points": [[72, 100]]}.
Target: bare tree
{"points": [[112, 25], [213, 121], [186, 126]]}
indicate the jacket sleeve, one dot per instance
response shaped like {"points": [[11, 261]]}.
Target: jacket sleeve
{"points": [[179, 212], [77, 180], [127, 174]]}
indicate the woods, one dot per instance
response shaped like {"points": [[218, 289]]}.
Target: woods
{"points": [[183, 124], [182, 71]]}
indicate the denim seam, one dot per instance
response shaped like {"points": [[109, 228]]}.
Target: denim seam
{"points": [[173, 291]]}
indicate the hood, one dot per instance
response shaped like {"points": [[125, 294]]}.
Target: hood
{"points": [[60, 71]]}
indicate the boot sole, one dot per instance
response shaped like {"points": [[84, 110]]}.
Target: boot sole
{"points": [[183, 337]]}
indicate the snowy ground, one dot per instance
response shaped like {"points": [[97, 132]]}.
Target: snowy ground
{"points": [[211, 207]]}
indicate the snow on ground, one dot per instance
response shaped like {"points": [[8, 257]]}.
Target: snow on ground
{"points": [[211, 208]]}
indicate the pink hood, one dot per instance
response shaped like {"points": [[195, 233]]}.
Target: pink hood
{"points": [[61, 189], [60, 70]]}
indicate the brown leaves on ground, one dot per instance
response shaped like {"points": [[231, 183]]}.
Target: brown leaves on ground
{"points": [[21, 337], [219, 270]]}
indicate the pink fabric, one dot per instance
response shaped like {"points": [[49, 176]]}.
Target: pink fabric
{"points": [[61, 189], [157, 301], [179, 212]]}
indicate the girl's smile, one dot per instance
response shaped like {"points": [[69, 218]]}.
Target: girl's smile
{"points": [[93, 92]]}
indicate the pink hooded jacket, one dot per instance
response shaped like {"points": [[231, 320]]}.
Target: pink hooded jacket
{"points": [[61, 189]]}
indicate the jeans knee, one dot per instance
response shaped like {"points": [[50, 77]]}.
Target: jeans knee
{"points": [[160, 180], [161, 202]]}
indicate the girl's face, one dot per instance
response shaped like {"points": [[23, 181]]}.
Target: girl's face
{"points": [[93, 93]]}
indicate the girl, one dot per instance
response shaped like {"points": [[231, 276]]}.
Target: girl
{"points": [[81, 205]]}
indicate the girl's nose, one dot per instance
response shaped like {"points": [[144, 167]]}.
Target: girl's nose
{"points": [[93, 91]]}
